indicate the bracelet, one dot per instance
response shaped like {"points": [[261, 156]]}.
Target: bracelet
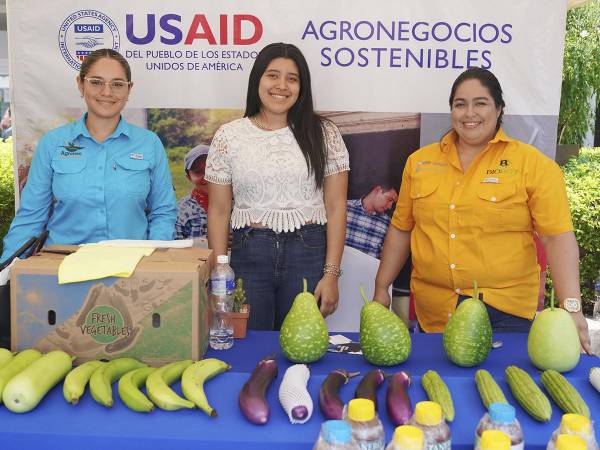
{"points": [[332, 269]]}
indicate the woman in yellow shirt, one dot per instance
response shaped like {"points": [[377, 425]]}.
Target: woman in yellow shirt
{"points": [[468, 208]]}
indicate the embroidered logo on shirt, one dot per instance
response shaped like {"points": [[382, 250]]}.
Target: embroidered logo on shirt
{"points": [[504, 162], [491, 180], [136, 156], [71, 147]]}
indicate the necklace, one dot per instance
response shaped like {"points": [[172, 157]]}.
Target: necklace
{"points": [[260, 124]]}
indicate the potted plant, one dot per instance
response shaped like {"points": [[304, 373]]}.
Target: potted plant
{"points": [[241, 310]]}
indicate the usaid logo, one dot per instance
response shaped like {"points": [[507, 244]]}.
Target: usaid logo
{"points": [[85, 31]]}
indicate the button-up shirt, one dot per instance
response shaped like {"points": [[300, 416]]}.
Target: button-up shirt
{"points": [[478, 225], [83, 191], [365, 231], [192, 219]]}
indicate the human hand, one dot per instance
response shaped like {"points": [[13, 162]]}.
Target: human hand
{"points": [[382, 296], [582, 330], [328, 294]]}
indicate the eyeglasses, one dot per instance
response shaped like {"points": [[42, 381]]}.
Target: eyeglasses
{"points": [[117, 87]]}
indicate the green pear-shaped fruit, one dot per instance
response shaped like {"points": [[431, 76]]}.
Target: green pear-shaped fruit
{"points": [[304, 337], [553, 341], [468, 334], [384, 338]]}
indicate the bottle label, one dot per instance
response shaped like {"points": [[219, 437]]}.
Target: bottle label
{"points": [[520, 446], [446, 445], [378, 444], [222, 286]]}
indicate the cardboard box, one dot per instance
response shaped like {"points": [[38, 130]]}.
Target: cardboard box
{"points": [[160, 314]]}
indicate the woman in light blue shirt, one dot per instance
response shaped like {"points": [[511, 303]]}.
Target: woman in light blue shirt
{"points": [[99, 177]]}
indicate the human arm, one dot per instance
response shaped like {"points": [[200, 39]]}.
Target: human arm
{"points": [[335, 192], [562, 253], [396, 249], [161, 199], [219, 214], [33, 213]]}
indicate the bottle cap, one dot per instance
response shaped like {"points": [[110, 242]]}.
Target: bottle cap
{"points": [[570, 442], [575, 423], [495, 440], [428, 413], [361, 410], [408, 437], [502, 412], [336, 431], [222, 259]]}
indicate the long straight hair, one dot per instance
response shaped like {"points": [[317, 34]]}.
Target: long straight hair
{"points": [[306, 125]]}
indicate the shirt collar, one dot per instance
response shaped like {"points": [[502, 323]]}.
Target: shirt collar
{"points": [[80, 129], [450, 139]]}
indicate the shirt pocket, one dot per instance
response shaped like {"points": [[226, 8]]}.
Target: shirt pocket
{"points": [[423, 199], [133, 175], [68, 178], [502, 208]]}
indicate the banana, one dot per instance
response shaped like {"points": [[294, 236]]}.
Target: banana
{"points": [[103, 378], [193, 378], [5, 356], [129, 389], [16, 365], [77, 379], [157, 386], [27, 388]]}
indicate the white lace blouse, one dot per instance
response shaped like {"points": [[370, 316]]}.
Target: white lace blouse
{"points": [[269, 175]]}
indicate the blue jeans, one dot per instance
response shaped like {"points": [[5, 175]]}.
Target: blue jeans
{"points": [[273, 266], [502, 322]]}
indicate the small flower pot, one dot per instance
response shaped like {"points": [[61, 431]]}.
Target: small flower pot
{"points": [[240, 321]]}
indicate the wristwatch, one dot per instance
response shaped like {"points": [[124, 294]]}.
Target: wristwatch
{"points": [[572, 304]]}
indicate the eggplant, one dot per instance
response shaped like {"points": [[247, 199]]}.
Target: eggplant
{"points": [[369, 385], [397, 401], [252, 400], [330, 403]]}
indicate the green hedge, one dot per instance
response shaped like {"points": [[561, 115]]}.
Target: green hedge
{"points": [[582, 177], [7, 188]]}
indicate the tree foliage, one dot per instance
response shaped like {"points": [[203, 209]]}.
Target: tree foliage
{"points": [[7, 188], [583, 188], [581, 73]]}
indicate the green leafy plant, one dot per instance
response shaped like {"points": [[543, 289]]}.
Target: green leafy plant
{"points": [[583, 185], [239, 295], [7, 188], [581, 73]]}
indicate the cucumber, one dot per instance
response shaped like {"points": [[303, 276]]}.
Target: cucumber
{"points": [[564, 394], [26, 389], [438, 392], [528, 394], [489, 391]]}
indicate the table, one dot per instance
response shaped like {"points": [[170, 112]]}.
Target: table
{"points": [[54, 424]]}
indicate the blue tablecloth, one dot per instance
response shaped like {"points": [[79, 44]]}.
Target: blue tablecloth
{"points": [[54, 424]]}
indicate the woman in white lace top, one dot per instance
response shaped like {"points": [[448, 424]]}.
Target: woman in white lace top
{"points": [[284, 170]]}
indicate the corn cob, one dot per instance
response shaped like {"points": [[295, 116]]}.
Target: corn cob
{"points": [[438, 392]]}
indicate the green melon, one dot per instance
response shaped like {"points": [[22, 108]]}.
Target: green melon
{"points": [[304, 337], [384, 338], [468, 333]]}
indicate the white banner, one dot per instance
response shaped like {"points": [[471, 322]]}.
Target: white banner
{"points": [[381, 56]]}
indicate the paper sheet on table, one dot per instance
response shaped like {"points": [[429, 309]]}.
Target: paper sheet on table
{"points": [[132, 243], [93, 261]]}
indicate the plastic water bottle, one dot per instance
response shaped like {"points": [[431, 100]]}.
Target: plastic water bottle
{"points": [[367, 429], [428, 417], [501, 417], [335, 435], [222, 285], [407, 437], [574, 425], [494, 440], [596, 314]]}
